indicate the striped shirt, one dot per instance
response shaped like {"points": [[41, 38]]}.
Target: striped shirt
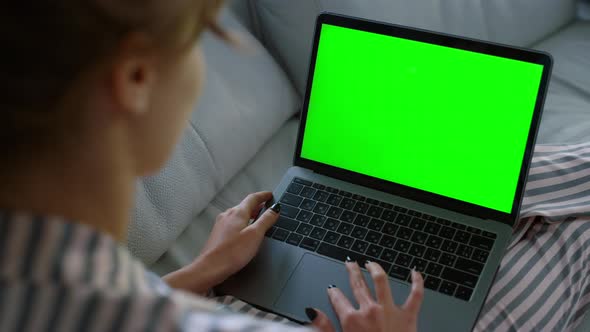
{"points": [[61, 276]]}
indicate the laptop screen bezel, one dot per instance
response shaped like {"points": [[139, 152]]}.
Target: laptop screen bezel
{"points": [[442, 39]]}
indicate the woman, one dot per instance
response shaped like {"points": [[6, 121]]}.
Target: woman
{"points": [[94, 95]]}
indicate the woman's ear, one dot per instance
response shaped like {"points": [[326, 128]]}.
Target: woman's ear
{"points": [[133, 75]]}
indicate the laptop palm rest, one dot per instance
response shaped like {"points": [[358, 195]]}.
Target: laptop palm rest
{"points": [[308, 284]]}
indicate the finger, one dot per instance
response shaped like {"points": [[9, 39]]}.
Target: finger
{"points": [[257, 211], [319, 320], [358, 285], [267, 219], [252, 201], [340, 303], [381, 282], [414, 300]]}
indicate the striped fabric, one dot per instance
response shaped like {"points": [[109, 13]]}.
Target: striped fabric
{"points": [[544, 280], [58, 276]]}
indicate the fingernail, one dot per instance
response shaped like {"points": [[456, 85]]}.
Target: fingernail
{"points": [[367, 262], [348, 260], [311, 313], [276, 207], [331, 286]]}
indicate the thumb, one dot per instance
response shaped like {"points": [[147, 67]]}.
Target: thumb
{"points": [[319, 320], [268, 218]]}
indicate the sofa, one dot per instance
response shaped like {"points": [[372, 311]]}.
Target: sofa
{"points": [[241, 136]]}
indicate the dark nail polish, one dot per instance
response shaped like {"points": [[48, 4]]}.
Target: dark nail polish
{"points": [[311, 313], [276, 207], [331, 286]]}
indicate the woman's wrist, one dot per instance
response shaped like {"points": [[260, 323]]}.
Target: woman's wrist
{"points": [[204, 273]]}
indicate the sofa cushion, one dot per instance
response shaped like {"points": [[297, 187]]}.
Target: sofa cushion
{"points": [[566, 115], [286, 26], [246, 99]]}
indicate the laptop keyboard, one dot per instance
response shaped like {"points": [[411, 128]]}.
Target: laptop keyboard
{"points": [[337, 224]]}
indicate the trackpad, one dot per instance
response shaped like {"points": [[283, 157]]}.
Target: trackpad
{"points": [[307, 287]]}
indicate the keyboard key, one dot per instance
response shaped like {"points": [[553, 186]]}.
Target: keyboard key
{"points": [[464, 251], [386, 205], [432, 255], [402, 246], [481, 242], [347, 216], [345, 228], [331, 224], [432, 228], [372, 201], [334, 252], [321, 208], [449, 246], [375, 224], [360, 246], [434, 241], [347, 204], [387, 241], [417, 250], [464, 293], [359, 197], [280, 234], [304, 216], [304, 229], [403, 260], [289, 211], [390, 229], [399, 272], [374, 251], [404, 233], [400, 209], [428, 217], [360, 207], [443, 221], [307, 204], [334, 200], [332, 237], [432, 282], [359, 232], [459, 277], [345, 193], [302, 181], [345, 242], [373, 237], [319, 186], [294, 239], [388, 255], [321, 196], [318, 233], [473, 230], [419, 264], [270, 232], [307, 192], [480, 256], [375, 211], [458, 226], [417, 224], [403, 219], [294, 188], [447, 232], [434, 269], [331, 190], [488, 234], [447, 287], [291, 199], [287, 223], [419, 237], [468, 265], [462, 237], [414, 213], [447, 259], [309, 244], [334, 212], [361, 220], [388, 215]]}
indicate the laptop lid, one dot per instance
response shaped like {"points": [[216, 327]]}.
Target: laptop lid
{"points": [[440, 119]]}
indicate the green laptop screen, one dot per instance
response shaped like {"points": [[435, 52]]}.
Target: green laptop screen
{"points": [[443, 120]]}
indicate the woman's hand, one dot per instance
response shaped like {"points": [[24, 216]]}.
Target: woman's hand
{"points": [[232, 244], [375, 313]]}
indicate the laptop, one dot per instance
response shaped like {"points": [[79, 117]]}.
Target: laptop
{"points": [[413, 152]]}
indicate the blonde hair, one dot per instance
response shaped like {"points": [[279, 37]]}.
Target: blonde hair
{"points": [[47, 44]]}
